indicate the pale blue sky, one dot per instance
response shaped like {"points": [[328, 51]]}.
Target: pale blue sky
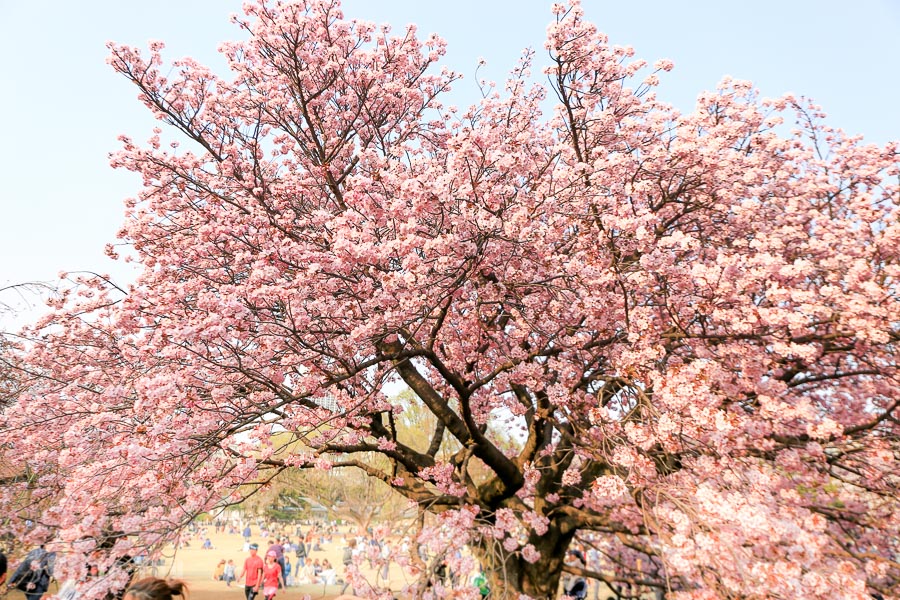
{"points": [[63, 107]]}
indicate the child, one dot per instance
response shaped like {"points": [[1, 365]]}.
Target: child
{"points": [[288, 576], [228, 576]]}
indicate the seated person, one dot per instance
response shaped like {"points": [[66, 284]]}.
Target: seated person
{"points": [[306, 574], [219, 572], [328, 576]]}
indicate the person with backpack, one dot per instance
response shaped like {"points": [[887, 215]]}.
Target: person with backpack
{"points": [[32, 576]]}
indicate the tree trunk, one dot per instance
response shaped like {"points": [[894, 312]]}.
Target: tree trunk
{"points": [[510, 575]]}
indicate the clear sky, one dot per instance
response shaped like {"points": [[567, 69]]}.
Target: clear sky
{"points": [[63, 107]]}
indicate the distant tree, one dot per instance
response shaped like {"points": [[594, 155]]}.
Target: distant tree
{"points": [[15, 473], [349, 495], [353, 496], [689, 320], [9, 374]]}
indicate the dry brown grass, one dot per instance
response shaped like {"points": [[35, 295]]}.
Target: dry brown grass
{"points": [[195, 566]]}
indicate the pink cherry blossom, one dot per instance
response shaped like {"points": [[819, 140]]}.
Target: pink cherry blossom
{"points": [[668, 337]]}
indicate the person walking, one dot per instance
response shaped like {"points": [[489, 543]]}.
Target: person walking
{"points": [[272, 576], [251, 573], [32, 576], [300, 553], [351, 556], [277, 547], [385, 562]]}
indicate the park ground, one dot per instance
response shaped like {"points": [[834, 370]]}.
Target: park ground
{"points": [[195, 566]]}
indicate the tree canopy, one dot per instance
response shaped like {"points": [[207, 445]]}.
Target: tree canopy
{"points": [[686, 323]]}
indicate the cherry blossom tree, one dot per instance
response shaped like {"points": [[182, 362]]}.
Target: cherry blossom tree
{"points": [[687, 324]]}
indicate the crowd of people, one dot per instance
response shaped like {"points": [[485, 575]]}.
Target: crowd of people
{"points": [[259, 575], [293, 547], [284, 556], [287, 560]]}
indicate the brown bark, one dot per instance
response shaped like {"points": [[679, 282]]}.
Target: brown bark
{"points": [[510, 575]]}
